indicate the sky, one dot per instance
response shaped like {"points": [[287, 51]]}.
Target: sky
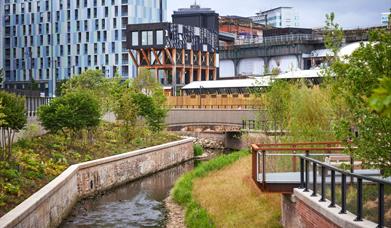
{"points": [[349, 13]]}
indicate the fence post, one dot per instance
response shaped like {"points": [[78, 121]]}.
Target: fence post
{"points": [[343, 194], [359, 200], [323, 185], [332, 204], [381, 205], [314, 179]]}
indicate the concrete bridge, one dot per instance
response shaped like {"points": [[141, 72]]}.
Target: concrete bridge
{"points": [[177, 118]]}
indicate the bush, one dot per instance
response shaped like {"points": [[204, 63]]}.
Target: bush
{"points": [[198, 150], [74, 111], [12, 119]]}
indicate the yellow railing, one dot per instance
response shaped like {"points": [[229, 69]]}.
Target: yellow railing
{"points": [[214, 101]]}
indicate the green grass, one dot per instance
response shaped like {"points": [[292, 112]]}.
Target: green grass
{"points": [[198, 150], [196, 216]]}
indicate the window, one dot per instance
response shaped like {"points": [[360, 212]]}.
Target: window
{"points": [[134, 38], [150, 38], [159, 37], [146, 38]]}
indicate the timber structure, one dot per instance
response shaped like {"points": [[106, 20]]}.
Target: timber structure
{"points": [[178, 54]]}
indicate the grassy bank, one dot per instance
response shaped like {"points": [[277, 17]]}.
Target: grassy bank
{"points": [[38, 160], [196, 216]]}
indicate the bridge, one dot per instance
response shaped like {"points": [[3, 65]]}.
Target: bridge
{"points": [[224, 118], [283, 52]]}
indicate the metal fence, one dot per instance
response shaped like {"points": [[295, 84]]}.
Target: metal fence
{"points": [[305, 162], [33, 103]]}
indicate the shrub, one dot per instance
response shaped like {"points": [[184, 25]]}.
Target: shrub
{"points": [[12, 119], [74, 111], [198, 150]]}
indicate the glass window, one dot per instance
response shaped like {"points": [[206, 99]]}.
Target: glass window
{"points": [[150, 38], [159, 37], [134, 38], [144, 39]]}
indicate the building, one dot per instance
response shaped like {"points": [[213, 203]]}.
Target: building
{"points": [[46, 39], [246, 31], [1, 34], [197, 17], [385, 18], [280, 17], [181, 52]]}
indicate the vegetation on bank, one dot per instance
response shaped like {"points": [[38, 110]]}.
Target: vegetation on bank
{"points": [[196, 216], [232, 199], [353, 104], [198, 150], [75, 130]]}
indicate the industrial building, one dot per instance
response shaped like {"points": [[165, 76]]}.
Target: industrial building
{"points": [[179, 52], [50, 40]]}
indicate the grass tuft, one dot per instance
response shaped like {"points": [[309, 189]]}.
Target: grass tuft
{"points": [[198, 150]]}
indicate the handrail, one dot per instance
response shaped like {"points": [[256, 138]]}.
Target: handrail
{"points": [[304, 183], [256, 148], [302, 143]]}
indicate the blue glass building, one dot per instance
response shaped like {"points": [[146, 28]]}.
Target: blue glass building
{"points": [[60, 38]]}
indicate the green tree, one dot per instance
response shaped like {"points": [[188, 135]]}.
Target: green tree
{"points": [[277, 105], [74, 111], [333, 35], [12, 119], [356, 79], [2, 77], [380, 100], [97, 84]]}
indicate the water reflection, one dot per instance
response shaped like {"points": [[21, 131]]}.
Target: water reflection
{"points": [[137, 204]]}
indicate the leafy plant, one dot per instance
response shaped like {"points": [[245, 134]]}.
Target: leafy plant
{"points": [[12, 120], [74, 111], [357, 77], [198, 150]]}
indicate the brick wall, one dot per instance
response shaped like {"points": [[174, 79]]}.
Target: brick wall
{"points": [[310, 218]]}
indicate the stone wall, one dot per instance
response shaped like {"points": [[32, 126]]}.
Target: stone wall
{"points": [[301, 210], [52, 203]]}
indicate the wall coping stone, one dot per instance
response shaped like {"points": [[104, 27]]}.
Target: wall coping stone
{"points": [[332, 214], [13, 217]]}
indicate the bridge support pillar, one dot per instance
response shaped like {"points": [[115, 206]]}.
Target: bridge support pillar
{"points": [[236, 66], [266, 68]]}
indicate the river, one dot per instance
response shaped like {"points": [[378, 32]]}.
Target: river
{"points": [[136, 204]]}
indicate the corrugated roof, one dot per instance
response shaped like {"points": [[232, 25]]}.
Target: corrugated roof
{"points": [[315, 73], [236, 83]]}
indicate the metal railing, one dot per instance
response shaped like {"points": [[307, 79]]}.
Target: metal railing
{"points": [[305, 162], [33, 103]]}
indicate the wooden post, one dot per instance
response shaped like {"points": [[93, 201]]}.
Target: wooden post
{"points": [[207, 67], [174, 82], [199, 72], [191, 65]]}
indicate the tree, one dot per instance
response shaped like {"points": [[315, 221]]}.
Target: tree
{"points": [[142, 97], [277, 104], [333, 35], [96, 83], [2, 77], [356, 79], [380, 100], [73, 111], [12, 119]]}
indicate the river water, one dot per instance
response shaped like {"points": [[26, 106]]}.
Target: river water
{"points": [[137, 204]]}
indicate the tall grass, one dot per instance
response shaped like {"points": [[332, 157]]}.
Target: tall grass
{"points": [[198, 150], [182, 191]]}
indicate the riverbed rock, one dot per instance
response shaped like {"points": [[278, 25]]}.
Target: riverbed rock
{"points": [[176, 214]]}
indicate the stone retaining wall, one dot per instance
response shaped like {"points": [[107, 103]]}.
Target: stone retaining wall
{"points": [[51, 204]]}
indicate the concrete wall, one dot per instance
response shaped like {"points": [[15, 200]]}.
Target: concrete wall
{"points": [[303, 210], [51, 204]]}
